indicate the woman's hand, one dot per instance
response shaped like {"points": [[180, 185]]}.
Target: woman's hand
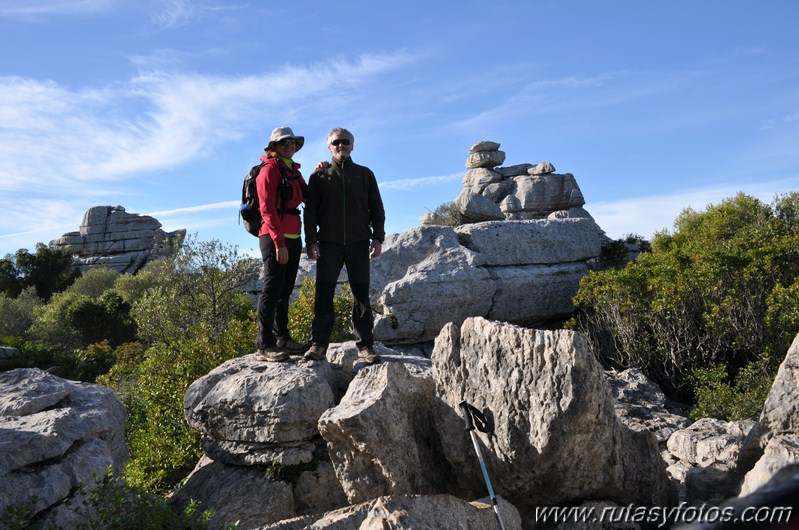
{"points": [[283, 255]]}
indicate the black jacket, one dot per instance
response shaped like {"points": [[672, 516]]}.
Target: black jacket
{"points": [[343, 205]]}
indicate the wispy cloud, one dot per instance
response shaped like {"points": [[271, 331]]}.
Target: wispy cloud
{"points": [[420, 182], [34, 11], [84, 142]]}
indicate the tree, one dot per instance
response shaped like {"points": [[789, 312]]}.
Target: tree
{"points": [[49, 270], [713, 292]]}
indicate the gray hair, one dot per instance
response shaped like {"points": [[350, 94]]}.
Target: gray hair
{"points": [[340, 130]]}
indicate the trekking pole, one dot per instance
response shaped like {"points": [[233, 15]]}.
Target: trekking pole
{"points": [[472, 416]]}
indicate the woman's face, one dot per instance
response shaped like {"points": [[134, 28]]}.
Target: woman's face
{"points": [[285, 147]]}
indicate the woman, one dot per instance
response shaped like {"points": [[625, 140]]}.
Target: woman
{"points": [[281, 190]]}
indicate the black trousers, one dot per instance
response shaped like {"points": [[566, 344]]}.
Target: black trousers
{"points": [[273, 301], [328, 267]]}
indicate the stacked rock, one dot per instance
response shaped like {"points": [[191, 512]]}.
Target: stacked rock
{"points": [[518, 192], [124, 241]]}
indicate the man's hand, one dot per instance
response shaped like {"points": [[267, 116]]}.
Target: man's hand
{"points": [[375, 249], [324, 164], [313, 251], [283, 255]]}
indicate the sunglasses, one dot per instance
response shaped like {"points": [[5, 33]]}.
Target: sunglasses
{"points": [[341, 141], [286, 141]]}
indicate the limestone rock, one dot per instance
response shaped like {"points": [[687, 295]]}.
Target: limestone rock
{"points": [[707, 452], [542, 194], [55, 436], [538, 242], [236, 493], [433, 292], [253, 412], [475, 208], [485, 145], [556, 437], [778, 423], [475, 180], [641, 405], [543, 168], [486, 159], [513, 171], [125, 242], [409, 512], [378, 437]]}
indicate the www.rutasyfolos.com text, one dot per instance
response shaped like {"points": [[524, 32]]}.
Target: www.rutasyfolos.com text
{"points": [[663, 516]]}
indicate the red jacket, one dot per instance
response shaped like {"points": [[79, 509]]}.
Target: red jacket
{"points": [[278, 225]]}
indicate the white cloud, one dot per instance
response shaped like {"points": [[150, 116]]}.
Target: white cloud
{"points": [[646, 215], [420, 182], [35, 11]]}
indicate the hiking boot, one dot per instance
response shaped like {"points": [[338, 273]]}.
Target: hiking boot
{"points": [[316, 352], [290, 346], [271, 354], [368, 355]]}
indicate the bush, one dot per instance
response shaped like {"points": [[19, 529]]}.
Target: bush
{"points": [[741, 399], [719, 290], [301, 313], [18, 314], [446, 214]]}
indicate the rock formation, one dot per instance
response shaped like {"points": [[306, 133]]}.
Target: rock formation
{"points": [[55, 436], [124, 241]]}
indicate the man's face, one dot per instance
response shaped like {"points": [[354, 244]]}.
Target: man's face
{"points": [[340, 145]]}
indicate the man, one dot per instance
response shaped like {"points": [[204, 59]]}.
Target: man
{"points": [[344, 226]]}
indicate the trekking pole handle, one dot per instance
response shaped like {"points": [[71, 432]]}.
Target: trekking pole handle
{"points": [[467, 416]]}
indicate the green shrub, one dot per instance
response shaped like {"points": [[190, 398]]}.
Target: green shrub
{"points": [[445, 214], [18, 314], [301, 313], [717, 397], [720, 290]]}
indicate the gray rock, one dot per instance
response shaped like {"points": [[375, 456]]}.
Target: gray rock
{"points": [[55, 436], [707, 452], [778, 423], [485, 145], [487, 159], [236, 493], [257, 412], [539, 242], [556, 436], [125, 242], [641, 405], [406, 512], [543, 168], [378, 437], [542, 194], [475, 180], [475, 208], [512, 171]]}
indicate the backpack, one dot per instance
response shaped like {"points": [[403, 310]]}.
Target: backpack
{"points": [[250, 210]]}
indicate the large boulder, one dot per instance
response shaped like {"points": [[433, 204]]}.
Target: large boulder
{"points": [[379, 436], [125, 242], [703, 466], [253, 412], [524, 272], [774, 440], [641, 405], [56, 436], [556, 436]]}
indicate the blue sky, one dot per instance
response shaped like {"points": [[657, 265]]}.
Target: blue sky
{"points": [[161, 106]]}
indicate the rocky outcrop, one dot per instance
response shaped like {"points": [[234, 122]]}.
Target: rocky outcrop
{"points": [[124, 241], [252, 412], [407, 512], [556, 437], [523, 272], [642, 406], [55, 436], [703, 460], [519, 192], [774, 440]]}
